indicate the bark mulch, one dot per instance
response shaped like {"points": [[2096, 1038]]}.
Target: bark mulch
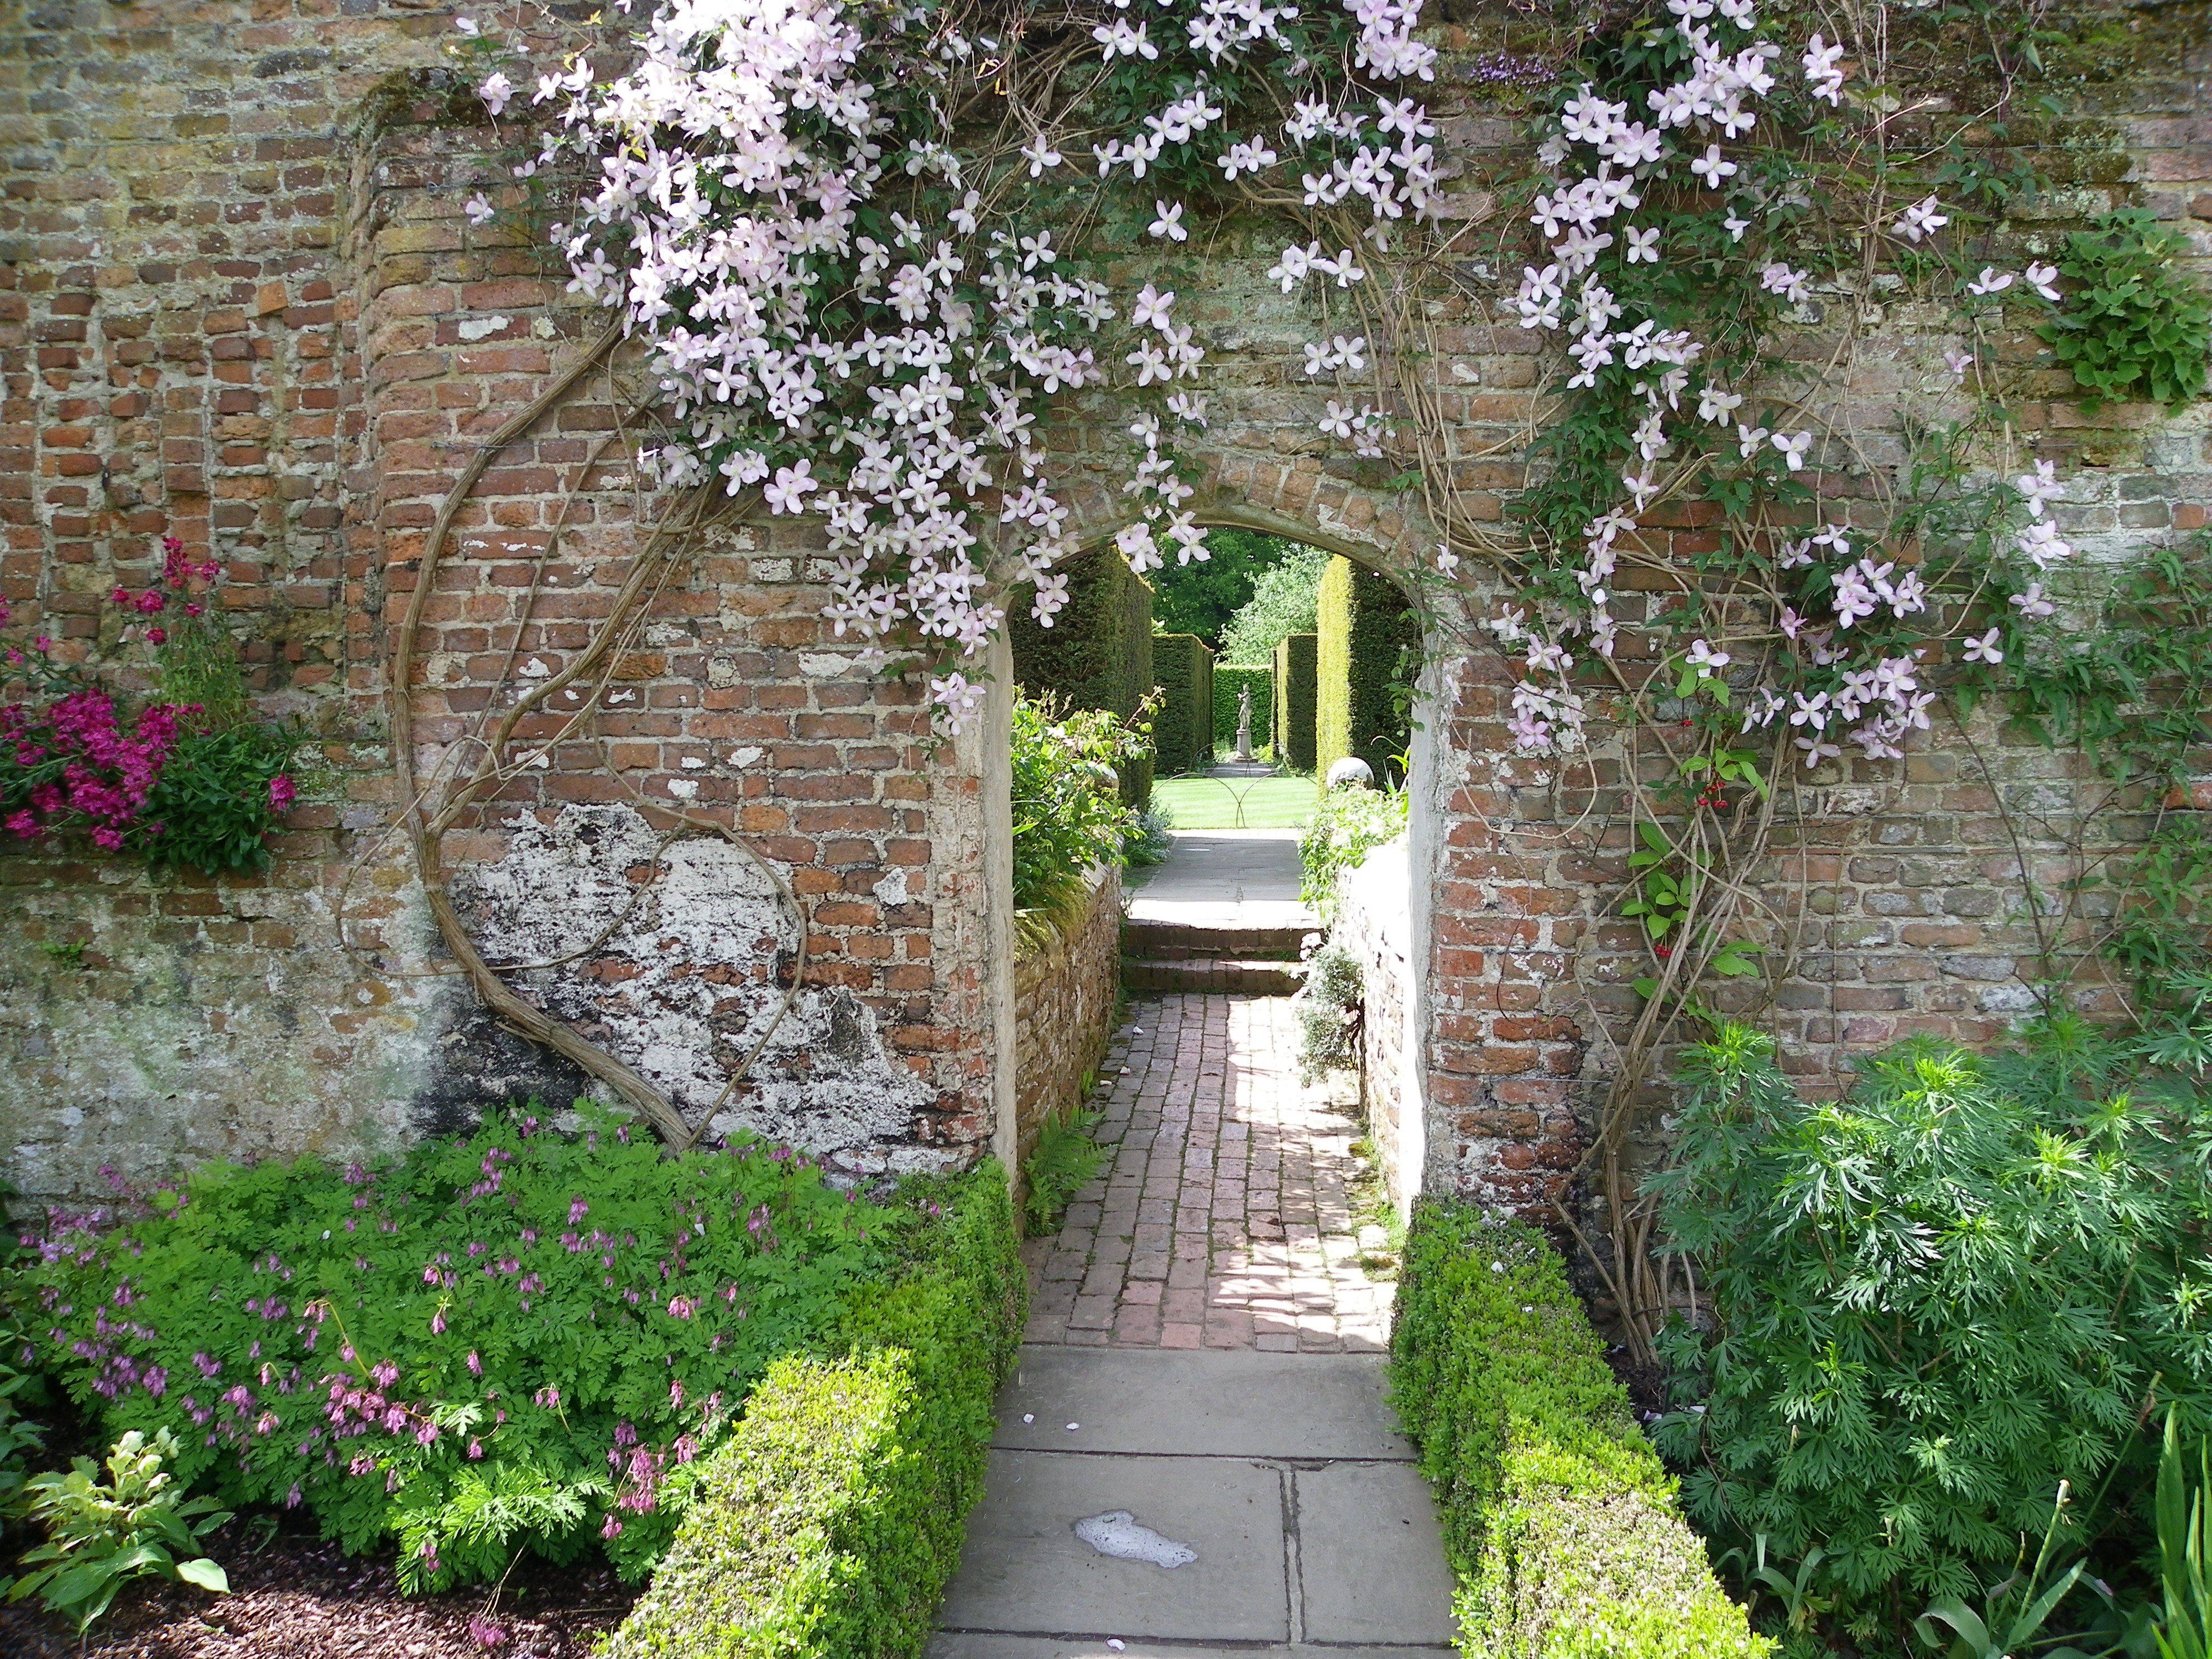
{"points": [[294, 1596]]}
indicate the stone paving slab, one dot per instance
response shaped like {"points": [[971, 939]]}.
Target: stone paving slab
{"points": [[1209, 1403], [1025, 1572], [1224, 877], [1300, 1551], [1371, 1555]]}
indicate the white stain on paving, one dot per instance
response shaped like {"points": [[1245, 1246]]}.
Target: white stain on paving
{"points": [[1119, 1534]]}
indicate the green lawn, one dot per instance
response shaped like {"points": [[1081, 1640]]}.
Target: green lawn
{"points": [[1212, 803]]}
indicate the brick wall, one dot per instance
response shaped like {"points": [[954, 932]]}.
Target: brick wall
{"points": [[239, 299], [1375, 922], [241, 303], [1065, 992]]}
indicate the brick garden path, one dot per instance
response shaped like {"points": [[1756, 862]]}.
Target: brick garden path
{"points": [[1223, 1220]]}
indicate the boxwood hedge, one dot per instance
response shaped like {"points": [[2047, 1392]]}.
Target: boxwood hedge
{"points": [[829, 1524], [1560, 1522]]}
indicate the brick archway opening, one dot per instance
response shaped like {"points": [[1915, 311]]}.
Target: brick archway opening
{"points": [[1243, 1206]]}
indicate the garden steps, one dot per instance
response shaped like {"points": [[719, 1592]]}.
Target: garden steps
{"points": [[1252, 976], [1183, 957], [1222, 914], [1178, 940]]}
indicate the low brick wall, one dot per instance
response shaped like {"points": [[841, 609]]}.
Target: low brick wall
{"points": [[1064, 997], [1375, 922]]}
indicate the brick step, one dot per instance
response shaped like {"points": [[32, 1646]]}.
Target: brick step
{"points": [[1175, 941], [1239, 977]]}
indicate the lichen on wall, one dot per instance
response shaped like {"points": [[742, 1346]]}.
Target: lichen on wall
{"points": [[687, 951]]}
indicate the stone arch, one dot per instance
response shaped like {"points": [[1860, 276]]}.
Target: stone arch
{"points": [[1495, 919]]}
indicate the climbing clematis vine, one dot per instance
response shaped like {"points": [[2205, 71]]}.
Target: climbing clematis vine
{"points": [[849, 304]]}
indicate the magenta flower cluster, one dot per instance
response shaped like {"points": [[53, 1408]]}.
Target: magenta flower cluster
{"points": [[71, 755], [92, 767]]}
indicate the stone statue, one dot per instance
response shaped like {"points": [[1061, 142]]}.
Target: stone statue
{"points": [[1244, 721]]}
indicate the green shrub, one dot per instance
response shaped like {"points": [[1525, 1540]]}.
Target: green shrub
{"points": [[1228, 679], [1149, 839], [1068, 815], [182, 779], [514, 1339], [1097, 654], [1933, 1303], [2135, 325], [831, 1521], [20, 1437], [1293, 720], [1558, 1520], [1183, 731], [1366, 635], [1282, 604], [1334, 994], [219, 796], [1201, 597], [1347, 825]]}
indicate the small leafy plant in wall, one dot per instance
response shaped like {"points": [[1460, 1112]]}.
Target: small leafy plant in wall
{"points": [[2134, 327], [102, 1534]]}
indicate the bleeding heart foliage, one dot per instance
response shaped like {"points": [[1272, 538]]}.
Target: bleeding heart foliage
{"points": [[523, 1338]]}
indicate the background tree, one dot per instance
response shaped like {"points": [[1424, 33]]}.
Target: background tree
{"points": [[1283, 602], [1199, 597]]}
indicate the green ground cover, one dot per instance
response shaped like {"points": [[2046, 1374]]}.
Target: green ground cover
{"points": [[1206, 803]]}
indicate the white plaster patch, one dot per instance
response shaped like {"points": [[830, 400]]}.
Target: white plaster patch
{"points": [[892, 889], [683, 788], [480, 328], [686, 984], [747, 755], [823, 664]]}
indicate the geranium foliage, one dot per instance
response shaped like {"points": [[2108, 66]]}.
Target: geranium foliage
{"points": [[523, 1339]]}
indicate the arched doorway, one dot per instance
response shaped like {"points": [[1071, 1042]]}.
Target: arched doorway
{"points": [[1254, 1174]]}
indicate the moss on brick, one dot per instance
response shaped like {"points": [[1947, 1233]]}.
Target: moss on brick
{"points": [[1560, 1522]]}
